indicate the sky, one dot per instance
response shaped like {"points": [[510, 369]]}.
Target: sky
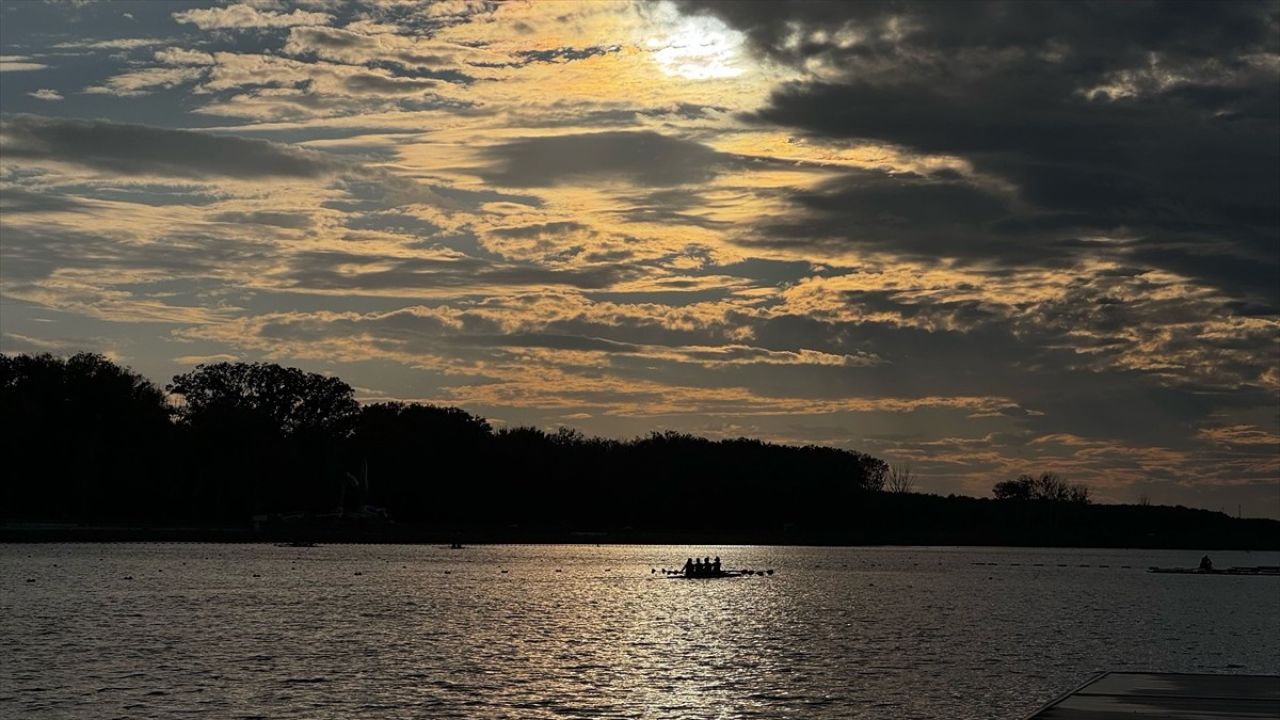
{"points": [[975, 239]]}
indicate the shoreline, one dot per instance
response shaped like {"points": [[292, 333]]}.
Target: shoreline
{"points": [[20, 534]]}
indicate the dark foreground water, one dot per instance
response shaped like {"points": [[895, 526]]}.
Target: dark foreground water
{"points": [[224, 631]]}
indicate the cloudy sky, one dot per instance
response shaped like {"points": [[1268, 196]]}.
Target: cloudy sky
{"points": [[978, 239]]}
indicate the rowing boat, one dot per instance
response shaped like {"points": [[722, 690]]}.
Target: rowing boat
{"points": [[1273, 570]]}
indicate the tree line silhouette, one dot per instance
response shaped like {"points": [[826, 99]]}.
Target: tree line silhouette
{"points": [[271, 452]]}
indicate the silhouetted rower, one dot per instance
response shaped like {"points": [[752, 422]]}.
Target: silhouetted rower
{"points": [[1206, 564], [688, 567], [715, 566]]}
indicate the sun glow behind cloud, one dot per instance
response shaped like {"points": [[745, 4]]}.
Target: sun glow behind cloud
{"points": [[695, 48]]}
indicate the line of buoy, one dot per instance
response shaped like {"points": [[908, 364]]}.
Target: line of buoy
{"points": [[1061, 565]]}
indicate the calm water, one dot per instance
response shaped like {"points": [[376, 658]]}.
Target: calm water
{"points": [[225, 631]]}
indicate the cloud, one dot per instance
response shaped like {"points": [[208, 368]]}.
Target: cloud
{"points": [[46, 94], [183, 56], [135, 83], [906, 214], [15, 200], [640, 158], [1242, 435], [247, 17], [19, 63], [296, 220], [1097, 122], [121, 148], [112, 44], [377, 46], [375, 84], [446, 274]]}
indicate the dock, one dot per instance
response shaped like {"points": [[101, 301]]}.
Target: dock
{"points": [[1172, 696]]}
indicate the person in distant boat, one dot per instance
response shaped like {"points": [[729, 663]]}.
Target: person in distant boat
{"points": [[688, 567], [1206, 564], [706, 565], [715, 566]]}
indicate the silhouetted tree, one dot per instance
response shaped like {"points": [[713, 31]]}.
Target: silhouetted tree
{"points": [[265, 438], [900, 479], [1047, 487], [1079, 494], [87, 440], [276, 399], [81, 440], [423, 461]]}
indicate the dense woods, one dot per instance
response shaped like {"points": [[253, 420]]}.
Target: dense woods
{"points": [[277, 452]]}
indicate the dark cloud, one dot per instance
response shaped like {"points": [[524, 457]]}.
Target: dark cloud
{"points": [[642, 158], [907, 214], [527, 232], [1094, 33], [34, 252], [1155, 121], [566, 54], [372, 84], [769, 271], [670, 207], [16, 200], [138, 149]]}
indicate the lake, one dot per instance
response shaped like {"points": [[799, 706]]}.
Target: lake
{"points": [[363, 631]]}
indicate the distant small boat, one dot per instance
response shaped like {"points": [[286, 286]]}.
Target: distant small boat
{"points": [[296, 544], [1272, 570]]}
